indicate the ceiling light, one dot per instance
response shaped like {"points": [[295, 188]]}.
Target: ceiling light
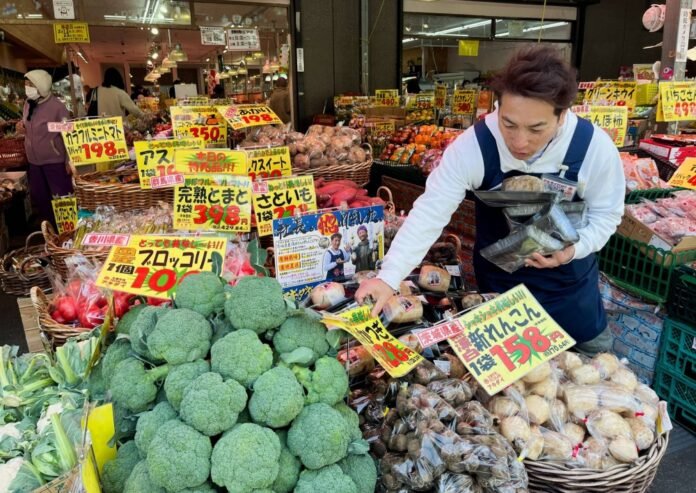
{"points": [[545, 26], [178, 54], [207, 59], [258, 55], [154, 31], [248, 58], [242, 70], [149, 63], [426, 25], [408, 29], [167, 62], [154, 55], [164, 9]]}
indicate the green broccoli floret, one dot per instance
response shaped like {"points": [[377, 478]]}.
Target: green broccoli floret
{"points": [[362, 470], [204, 488], [124, 324], [319, 436], [178, 456], [289, 467], [141, 328], [124, 424], [212, 405], [328, 383], [352, 420], [116, 471], [148, 424], [301, 330], [329, 478], [119, 350], [256, 303], [241, 355], [180, 336], [133, 387], [221, 327], [277, 399], [140, 482], [180, 377], [246, 458], [202, 292]]}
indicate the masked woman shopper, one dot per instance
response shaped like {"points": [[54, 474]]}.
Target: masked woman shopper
{"points": [[49, 174], [532, 132]]}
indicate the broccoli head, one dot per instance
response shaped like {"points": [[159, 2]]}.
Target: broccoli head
{"points": [[319, 436], [328, 383], [148, 424], [204, 488], [301, 330], [242, 356], [180, 377], [246, 458], [289, 467], [117, 471], [277, 399], [212, 405], [256, 303], [133, 387], [141, 328], [124, 324], [178, 456], [139, 481], [352, 420], [180, 336], [329, 478], [362, 470], [203, 293], [119, 350], [221, 327]]}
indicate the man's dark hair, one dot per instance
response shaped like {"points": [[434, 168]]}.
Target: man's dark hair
{"points": [[538, 72], [112, 77], [336, 235]]}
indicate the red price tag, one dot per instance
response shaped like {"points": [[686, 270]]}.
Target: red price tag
{"points": [[276, 173], [393, 355], [99, 149], [532, 339], [217, 214], [263, 117], [206, 133], [289, 210]]}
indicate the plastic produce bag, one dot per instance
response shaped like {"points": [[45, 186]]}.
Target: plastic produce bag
{"points": [[456, 483], [511, 252]]}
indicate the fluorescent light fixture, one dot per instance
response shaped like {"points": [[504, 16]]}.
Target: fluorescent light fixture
{"points": [[473, 25], [154, 31], [34, 16], [534, 28], [115, 17], [408, 40]]}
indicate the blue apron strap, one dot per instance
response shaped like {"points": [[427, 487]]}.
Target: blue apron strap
{"points": [[577, 150], [489, 151]]}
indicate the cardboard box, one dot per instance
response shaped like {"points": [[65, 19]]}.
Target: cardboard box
{"points": [[632, 228], [665, 151], [30, 323]]}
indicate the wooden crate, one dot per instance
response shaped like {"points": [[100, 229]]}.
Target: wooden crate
{"points": [[30, 322]]}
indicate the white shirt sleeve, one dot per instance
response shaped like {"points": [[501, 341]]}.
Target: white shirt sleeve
{"points": [[328, 264], [461, 169]]}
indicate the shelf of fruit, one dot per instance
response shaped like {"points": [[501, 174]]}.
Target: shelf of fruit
{"points": [[420, 146]]}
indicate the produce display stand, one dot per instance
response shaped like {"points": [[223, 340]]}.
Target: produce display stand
{"points": [[59, 254], [91, 192], [357, 172], [55, 332], [15, 281]]}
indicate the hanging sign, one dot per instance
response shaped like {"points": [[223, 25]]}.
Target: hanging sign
{"points": [[212, 36], [63, 9], [249, 115], [612, 93], [215, 161], [464, 102], [440, 96], [95, 140], [243, 40], [65, 212], [468, 47], [271, 162], [155, 158], [155, 265], [70, 32], [612, 119], [199, 122], [685, 176], [387, 97], [506, 338], [213, 202], [678, 101], [282, 197]]}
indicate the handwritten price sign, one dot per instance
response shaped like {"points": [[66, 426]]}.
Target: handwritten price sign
{"points": [[249, 115], [685, 176], [155, 265], [463, 102], [284, 197], [95, 141], [199, 122], [65, 212], [425, 101], [506, 338], [678, 101], [273, 162], [155, 158], [440, 96], [210, 161], [387, 97]]}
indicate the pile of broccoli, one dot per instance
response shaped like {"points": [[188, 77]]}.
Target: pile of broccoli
{"points": [[230, 389]]}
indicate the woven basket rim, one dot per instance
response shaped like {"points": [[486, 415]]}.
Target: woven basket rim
{"points": [[54, 329]]}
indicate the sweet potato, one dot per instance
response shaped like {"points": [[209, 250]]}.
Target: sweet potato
{"points": [[345, 195]]}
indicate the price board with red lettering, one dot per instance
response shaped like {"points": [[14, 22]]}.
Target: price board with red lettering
{"points": [[506, 338], [612, 93], [440, 96], [271, 162], [464, 102], [213, 202], [155, 158], [199, 122], [678, 101], [387, 97], [249, 115], [65, 212], [216, 161], [282, 197], [96, 140], [685, 176], [155, 265]]}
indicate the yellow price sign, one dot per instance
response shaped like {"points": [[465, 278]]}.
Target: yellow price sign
{"points": [[65, 212], [612, 93], [468, 47], [425, 101], [440, 96], [155, 158], [387, 97], [272, 162], [216, 161], [220, 203], [199, 122], [506, 338], [70, 32], [155, 265], [95, 141], [612, 119], [685, 176], [678, 101], [464, 102], [392, 354], [194, 101], [384, 127], [249, 115], [282, 197]]}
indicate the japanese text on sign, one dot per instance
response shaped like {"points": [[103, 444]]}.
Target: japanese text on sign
{"points": [[612, 119], [248, 115], [678, 101], [105, 239], [284, 197], [383, 128], [243, 40], [214, 161], [438, 333], [463, 102], [393, 355], [70, 32], [96, 141], [272, 162], [212, 36], [387, 97], [65, 212], [221, 203], [200, 122], [440, 96], [155, 265], [506, 338], [424, 101], [612, 93], [685, 176], [155, 158]]}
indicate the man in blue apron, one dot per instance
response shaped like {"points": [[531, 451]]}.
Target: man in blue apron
{"points": [[532, 132]]}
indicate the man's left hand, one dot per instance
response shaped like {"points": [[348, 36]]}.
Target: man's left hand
{"points": [[551, 261]]}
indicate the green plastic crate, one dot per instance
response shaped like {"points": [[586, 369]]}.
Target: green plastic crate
{"points": [[681, 302], [677, 349], [680, 395], [638, 196]]}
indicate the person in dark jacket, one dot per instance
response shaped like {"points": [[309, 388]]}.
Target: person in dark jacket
{"points": [[280, 100]]}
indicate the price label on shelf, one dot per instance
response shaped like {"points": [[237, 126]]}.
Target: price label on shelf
{"points": [[392, 354], [220, 203], [216, 161], [440, 96], [384, 127], [272, 162], [155, 158], [685, 176], [387, 97], [425, 101], [282, 197], [678, 101], [155, 265], [199, 122], [65, 212], [96, 140], [464, 102], [249, 115], [506, 338]]}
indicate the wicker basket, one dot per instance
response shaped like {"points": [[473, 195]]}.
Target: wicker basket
{"points": [[19, 283], [553, 477], [357, 172], [12, 151], [92, 193], [56, 333], [58, 254]]}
